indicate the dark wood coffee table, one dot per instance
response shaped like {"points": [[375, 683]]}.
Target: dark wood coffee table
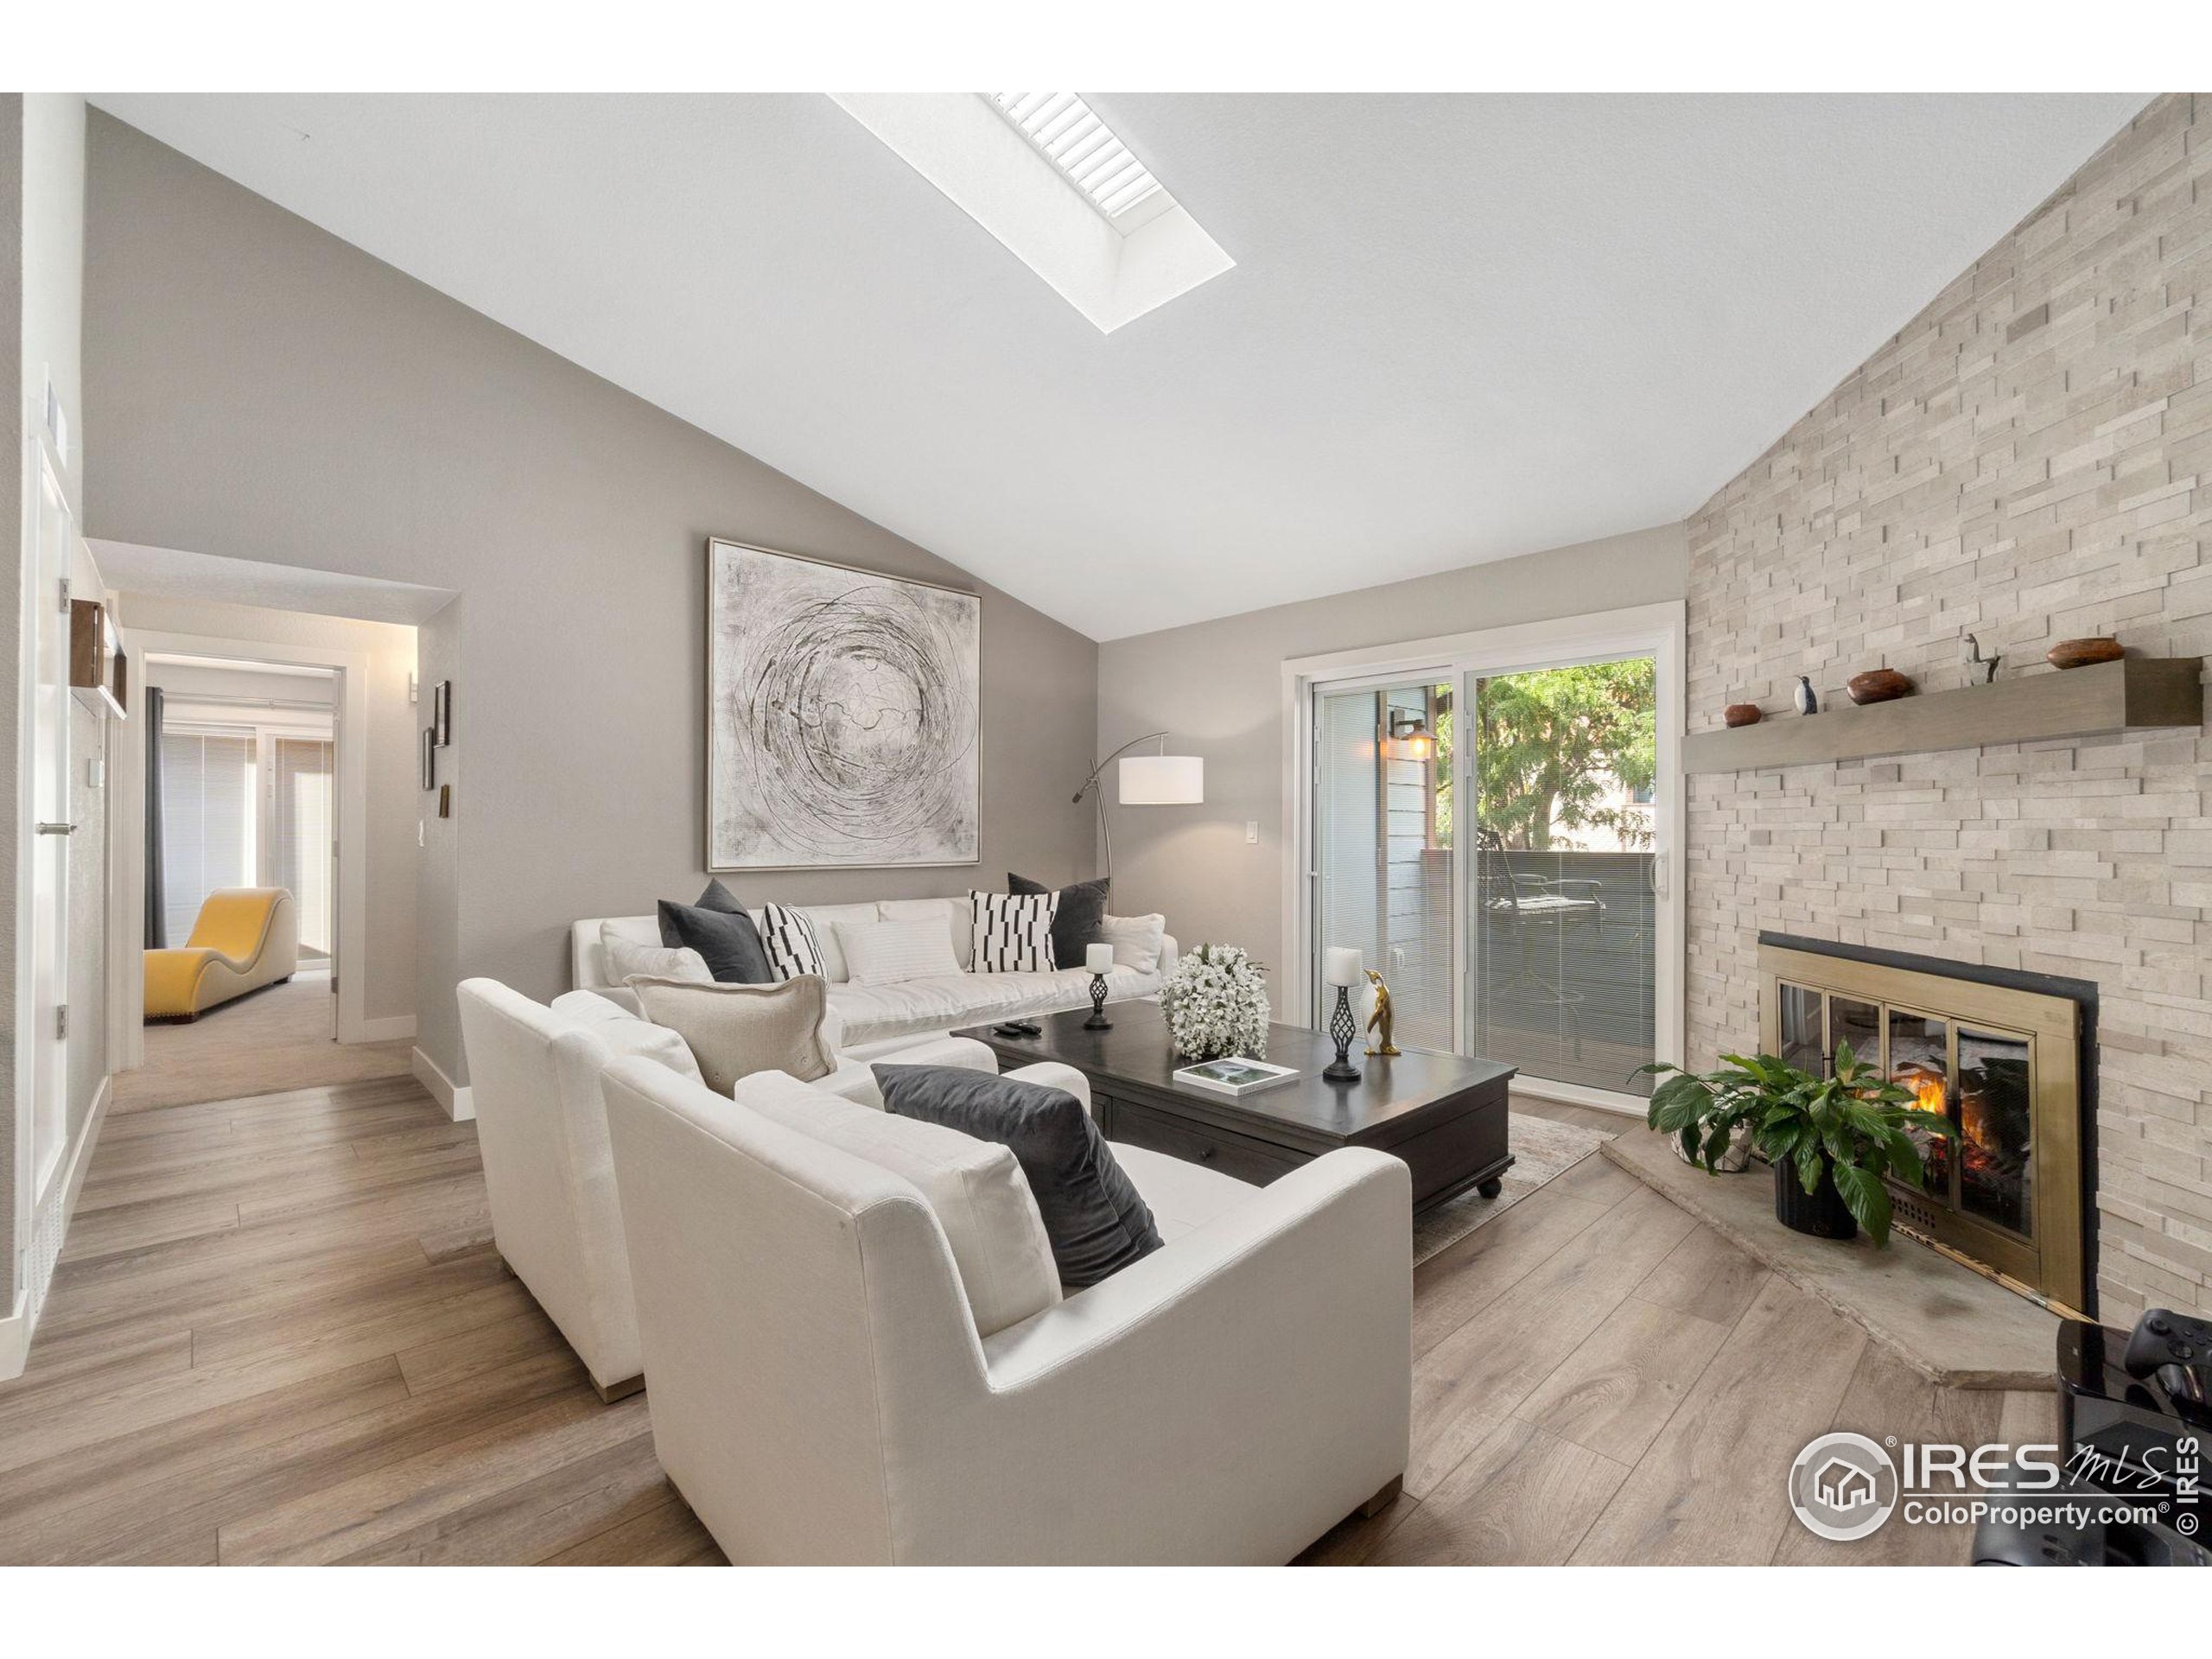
{"points": [[1444, 1114]]}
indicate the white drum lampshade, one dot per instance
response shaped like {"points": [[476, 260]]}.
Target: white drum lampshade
{"points": [[1163, 780]]}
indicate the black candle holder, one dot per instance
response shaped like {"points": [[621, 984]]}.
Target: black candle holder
{"points": [[1343, 1027], [1098, 1021]]}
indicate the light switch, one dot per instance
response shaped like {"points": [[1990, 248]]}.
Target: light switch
{"points": [[1251, 832], [95, 774], [419, 839]]}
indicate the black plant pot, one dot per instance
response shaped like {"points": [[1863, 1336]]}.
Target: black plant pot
{"points": [[1820, 1212]]}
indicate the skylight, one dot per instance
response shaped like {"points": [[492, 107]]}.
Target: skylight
{"points": [[1084, 149], [1045, 176]]}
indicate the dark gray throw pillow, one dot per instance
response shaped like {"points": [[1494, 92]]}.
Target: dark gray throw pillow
{"points": [[720, 931], [1095, 1217], [1079, 920]]}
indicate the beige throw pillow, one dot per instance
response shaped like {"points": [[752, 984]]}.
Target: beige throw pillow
{"points": [[736, 1030]]}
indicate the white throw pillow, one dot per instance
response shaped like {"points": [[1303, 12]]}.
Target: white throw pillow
{"points": [[588, 1008], [976, 1189], [1014, 932], [624, 1036], [1136, 940], [626, 957], [736, 1030], [885, 953], [956, 916]]}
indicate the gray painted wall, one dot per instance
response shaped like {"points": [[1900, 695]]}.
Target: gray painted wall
{"points": [[438, 953], [264, 390], [1218, 687]]}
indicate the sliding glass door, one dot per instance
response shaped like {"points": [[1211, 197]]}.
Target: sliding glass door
{"points": [[1563, 892], [1383, 876], [1494, 833]]}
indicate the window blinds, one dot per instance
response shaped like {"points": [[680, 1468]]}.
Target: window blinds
{"points": [[208, 820]]}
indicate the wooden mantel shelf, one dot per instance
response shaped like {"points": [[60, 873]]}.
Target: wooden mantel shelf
{"points": [[2134, 693]]}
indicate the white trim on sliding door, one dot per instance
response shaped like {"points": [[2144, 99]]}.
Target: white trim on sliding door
{"points": [[1658, 630]]}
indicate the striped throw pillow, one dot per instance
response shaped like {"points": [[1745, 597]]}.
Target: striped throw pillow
{"points": [[789, 936], [1014, 932]]}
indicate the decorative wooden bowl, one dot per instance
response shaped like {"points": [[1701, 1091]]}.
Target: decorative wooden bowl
{"points": [[1877, 685], [2080, 653], [1740, 714]]}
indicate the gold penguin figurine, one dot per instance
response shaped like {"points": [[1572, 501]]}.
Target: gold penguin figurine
{"points": [[1381, 1018]]}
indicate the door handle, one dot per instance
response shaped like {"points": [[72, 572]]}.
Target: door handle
{"points": [[57, 828]]}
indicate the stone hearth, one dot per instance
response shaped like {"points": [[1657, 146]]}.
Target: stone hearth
{"points": [[1947, 1322]]}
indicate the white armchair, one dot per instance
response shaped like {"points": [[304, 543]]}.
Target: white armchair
{"points": [[820, 1394], [541, 1124]]}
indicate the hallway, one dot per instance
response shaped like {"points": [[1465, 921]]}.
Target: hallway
{"points": [[272, 1040]]}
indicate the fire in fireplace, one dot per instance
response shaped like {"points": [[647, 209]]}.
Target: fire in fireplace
{"points": [[2007, 1056]]}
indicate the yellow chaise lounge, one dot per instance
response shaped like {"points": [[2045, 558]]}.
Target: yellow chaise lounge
{"points": [[245, 938]]}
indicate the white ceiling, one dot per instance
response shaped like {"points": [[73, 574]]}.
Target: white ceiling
{"points": [[1460, 328]]}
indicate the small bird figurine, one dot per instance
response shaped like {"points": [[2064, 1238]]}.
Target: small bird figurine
{"points": [[1980, 669], [1381, 1017], [1808, 704]]}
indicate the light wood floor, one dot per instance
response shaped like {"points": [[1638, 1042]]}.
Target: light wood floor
{"points": [[275, 1038], [278, 1334]]}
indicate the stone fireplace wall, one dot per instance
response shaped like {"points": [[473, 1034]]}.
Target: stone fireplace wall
{"points": [[2029, 460]]}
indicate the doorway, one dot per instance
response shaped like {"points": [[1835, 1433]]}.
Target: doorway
{"points": [[247, 758], [1493, 820]]}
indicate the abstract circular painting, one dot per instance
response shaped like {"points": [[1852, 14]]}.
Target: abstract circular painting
{"points": [[843, 715]]}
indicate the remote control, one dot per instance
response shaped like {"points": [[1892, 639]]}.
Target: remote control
{"points": [[1019, 1028], [2164, 1337]]}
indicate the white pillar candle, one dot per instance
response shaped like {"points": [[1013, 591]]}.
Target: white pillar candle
{"points": [[1344, 965], [1099, 959]]}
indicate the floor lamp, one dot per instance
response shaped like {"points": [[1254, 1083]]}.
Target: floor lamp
{"points": [[1162, 779]]}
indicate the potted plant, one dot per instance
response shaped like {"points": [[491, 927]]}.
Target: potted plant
{"points": [[1832, 1139]]}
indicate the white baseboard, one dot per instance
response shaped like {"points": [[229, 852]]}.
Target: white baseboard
{"points": [[81, 1159], [454, 1098], [15, 1328], [15, 1340], [1576, 1094], [389, 1029]]}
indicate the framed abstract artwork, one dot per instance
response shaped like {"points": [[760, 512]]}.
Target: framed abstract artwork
{"points": [[843, 715]]}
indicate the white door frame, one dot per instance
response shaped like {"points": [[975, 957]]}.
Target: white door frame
{"points": [[42, 472], [352, 801], [1660, 630]]}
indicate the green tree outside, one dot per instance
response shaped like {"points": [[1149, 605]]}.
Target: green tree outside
{"points": [[1556, 748]]}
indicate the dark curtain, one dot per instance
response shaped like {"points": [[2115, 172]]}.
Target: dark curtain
{"points": [[157, 899]]}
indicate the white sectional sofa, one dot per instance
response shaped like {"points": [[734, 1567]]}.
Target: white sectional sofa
{"points": [[878, 1017]]}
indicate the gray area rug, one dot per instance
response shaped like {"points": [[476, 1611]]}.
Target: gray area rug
{"points": [[1543, 1150]]}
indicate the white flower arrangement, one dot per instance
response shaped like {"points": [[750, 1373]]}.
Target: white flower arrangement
{"points": [[1216, 1001]]}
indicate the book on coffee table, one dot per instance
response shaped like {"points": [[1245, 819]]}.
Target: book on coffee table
{"points": [[1235, 1076]]}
